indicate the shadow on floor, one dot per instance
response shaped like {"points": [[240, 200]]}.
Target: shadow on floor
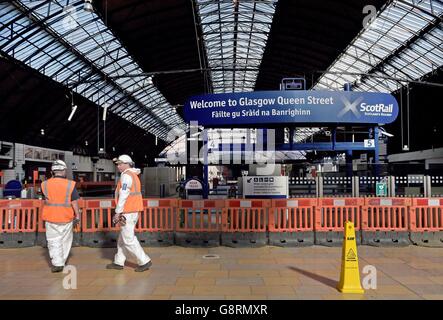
{"points": [[109, 253], [45, 255], [326, 281]]}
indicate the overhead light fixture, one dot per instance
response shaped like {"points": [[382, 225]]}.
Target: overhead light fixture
{"points": [[88, 6], [42, 132], [105, 111], [73, 110], [86, 142], [149, 80], [387, 134], [73, 106]]}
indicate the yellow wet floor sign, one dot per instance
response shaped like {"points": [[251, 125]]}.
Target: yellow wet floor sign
{"points": [[350, 274]]}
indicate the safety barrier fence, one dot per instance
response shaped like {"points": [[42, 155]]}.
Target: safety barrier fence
{"points": [[385, 221], [155, 225], [199, 222], [240, 222], [330, 217], [245, 222], [291, 222], [426, 222], [18, 222]]}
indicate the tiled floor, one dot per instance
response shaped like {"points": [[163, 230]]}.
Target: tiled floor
{"points": [[246, 273]]}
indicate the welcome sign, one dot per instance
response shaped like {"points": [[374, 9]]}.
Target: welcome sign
{"points": [[291, 107]]}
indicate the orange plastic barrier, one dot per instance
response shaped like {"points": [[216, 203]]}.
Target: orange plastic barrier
{"points": [[426, 214], [292, 215], [291, 222], [331, 215], [200, 215], [97, 215], [385, 221], [244, 222], [199, 222], [158, 215], [426, 222], [155, 226], [96, 224], [18, 222]]}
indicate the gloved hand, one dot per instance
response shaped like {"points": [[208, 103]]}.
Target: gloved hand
{"points": [[119, 219], [76, 222]]}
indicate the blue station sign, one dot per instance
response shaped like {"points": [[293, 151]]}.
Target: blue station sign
{"points": [[249, 108]]}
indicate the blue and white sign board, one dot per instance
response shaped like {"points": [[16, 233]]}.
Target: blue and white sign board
{"points": [[369, 143], [265, 187], [291, 107]]}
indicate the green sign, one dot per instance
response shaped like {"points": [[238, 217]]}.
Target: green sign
{"points": [[381, 189]]}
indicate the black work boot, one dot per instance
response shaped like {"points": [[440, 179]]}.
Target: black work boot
{"points": [[55, 269], [114, 266], [144, 267]]}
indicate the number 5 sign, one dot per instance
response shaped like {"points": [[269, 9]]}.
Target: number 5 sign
{"points": [[369, 143]]}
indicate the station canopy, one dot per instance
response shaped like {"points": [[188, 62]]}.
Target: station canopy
{"points": [[143, 59]]}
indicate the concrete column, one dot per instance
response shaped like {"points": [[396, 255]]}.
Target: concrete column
{"points": [[319, 186], [356, 186], [9, 175], [69, 160], [19, 161], [427, 186], [391, 186]]}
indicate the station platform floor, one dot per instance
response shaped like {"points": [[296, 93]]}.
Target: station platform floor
{"points": [[238, 273]]}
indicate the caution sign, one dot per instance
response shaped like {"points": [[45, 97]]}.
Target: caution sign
{"points": [[351, 256], [350, 274]]}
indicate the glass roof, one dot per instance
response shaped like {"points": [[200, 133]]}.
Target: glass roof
{"points": [[235, 34], [75, 48], [404, 41]]}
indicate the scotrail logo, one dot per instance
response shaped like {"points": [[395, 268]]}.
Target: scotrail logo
{"points": [[379, 109], [348, 106]]}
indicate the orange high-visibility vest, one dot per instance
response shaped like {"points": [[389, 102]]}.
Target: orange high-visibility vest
{"points": [[134, 202], [57, 206]]}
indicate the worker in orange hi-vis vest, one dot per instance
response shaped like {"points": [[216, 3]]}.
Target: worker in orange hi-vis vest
{"points": [[129, 202], [60, 213]]}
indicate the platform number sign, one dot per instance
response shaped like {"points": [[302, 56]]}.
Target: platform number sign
{"points": [[369, 143], [381, 189]]}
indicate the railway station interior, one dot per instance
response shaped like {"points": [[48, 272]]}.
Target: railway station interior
{"points": [[221, 150]]}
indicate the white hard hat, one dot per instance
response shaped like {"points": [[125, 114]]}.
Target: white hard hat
{"points": [[58, 165], [124, 158]]}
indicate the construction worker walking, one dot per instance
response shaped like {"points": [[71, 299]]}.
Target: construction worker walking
{"points": [[60, 213], [129, 202]]}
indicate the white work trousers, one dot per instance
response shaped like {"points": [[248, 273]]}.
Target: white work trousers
{"points": [[59, 237], [128, 244]]}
